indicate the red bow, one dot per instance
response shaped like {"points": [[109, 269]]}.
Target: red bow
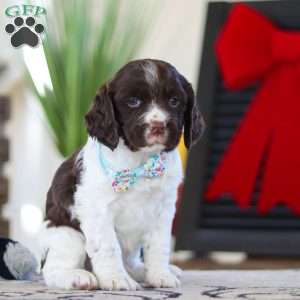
{"points": [[251, 48]]}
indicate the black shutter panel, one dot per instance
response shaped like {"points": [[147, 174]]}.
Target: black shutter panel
{"points": [[221, 225]]}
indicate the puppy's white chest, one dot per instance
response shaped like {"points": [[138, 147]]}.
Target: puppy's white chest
{"points": [[133, 212], [136, 210]]}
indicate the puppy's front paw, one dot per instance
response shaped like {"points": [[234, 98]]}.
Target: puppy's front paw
{"points": [[161, 279], [137, 272], [117, 281]]}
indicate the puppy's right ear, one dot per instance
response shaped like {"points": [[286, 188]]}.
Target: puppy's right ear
{"points": [[100, 120]]}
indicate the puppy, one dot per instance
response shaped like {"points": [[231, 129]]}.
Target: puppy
{"points": [[115, 197]]}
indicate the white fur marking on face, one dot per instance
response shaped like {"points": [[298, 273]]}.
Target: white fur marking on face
{"points": [[155, 113], [151, 73]]}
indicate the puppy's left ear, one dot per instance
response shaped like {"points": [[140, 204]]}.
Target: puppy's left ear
{"points": [[100, 120], [194, 124]]}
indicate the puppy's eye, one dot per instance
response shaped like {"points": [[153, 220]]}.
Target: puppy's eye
{"points": [[134, 102], [174, 102]]}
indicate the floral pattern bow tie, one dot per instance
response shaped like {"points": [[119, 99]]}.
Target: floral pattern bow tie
{"points": [[125, 179]]}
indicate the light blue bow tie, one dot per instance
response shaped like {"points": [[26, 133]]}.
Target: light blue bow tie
{"points": [[124, 179]]}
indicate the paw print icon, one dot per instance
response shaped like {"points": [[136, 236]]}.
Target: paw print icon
{"points": [[24, 33]]}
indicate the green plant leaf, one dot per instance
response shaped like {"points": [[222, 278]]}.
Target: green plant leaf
{"points": [[83, 49]]}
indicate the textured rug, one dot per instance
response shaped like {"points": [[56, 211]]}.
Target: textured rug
{"points": [[196, 285]]}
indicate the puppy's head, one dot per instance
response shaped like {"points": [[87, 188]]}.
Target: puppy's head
{"points": [[147, 103]]}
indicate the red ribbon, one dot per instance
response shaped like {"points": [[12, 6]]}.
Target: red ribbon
{"points": [[249, 49]]}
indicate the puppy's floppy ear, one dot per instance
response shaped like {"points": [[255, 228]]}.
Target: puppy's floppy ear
{"points": [[194, 124], [100, 120]]}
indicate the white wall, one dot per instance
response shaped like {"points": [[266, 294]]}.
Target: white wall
{"points": [[175, 38], [33, 162], [177, 35]]}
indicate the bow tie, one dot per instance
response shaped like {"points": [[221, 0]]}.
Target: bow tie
{"points": [[251, 48], [125, 179]]}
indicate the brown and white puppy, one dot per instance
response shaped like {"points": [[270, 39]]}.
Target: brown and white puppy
{"points": [[140, 112]]}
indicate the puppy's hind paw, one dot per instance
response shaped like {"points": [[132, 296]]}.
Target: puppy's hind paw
{"points": [[76, 279]]}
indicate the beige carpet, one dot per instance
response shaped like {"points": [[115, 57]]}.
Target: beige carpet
{"points": [[252, 285]]}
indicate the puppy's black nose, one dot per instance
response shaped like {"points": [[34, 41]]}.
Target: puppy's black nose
{"points": [[157, 127]]}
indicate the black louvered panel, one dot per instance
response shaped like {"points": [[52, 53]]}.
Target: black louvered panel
{"points": [[250, 223], [225, 96], [230, 110], [227, 215], [220, 134], [222, 208], [226, 122], [222, 225]]}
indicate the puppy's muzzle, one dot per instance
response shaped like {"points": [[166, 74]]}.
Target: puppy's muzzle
{"points": [[157, 128]]}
